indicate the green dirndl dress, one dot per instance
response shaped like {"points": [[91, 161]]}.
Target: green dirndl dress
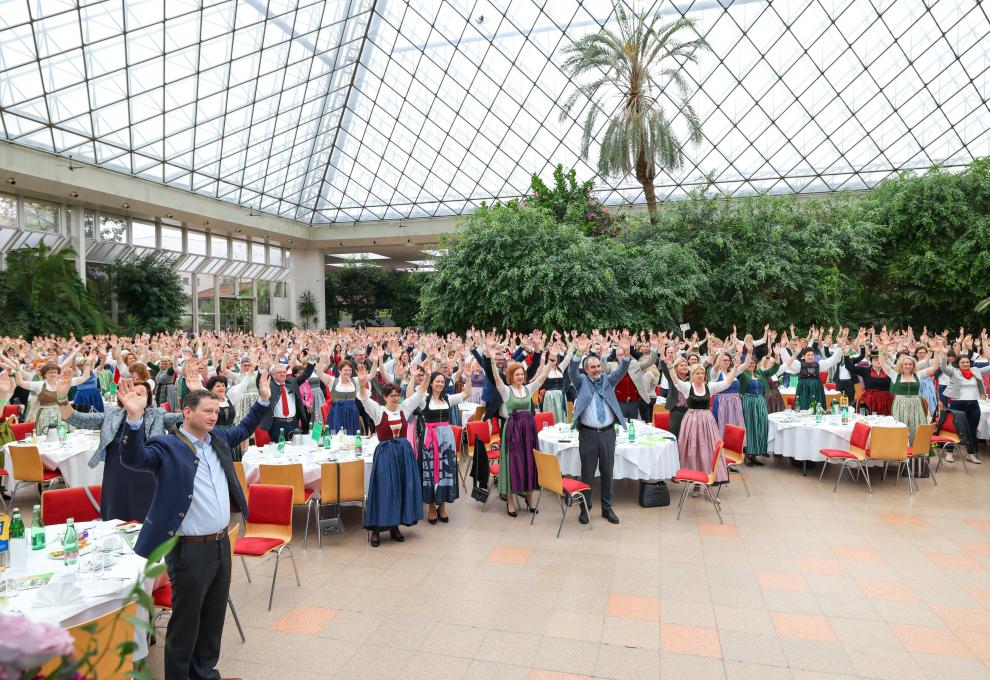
{"points": [[754, 413], [809, 387], [907, 407]]}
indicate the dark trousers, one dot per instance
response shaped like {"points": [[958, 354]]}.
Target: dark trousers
{"points": [[597, 451], [200, 576], [279, 426], [848, 388], [967, 425], [646, 411], [630, 409]]}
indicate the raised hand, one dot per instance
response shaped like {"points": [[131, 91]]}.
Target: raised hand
{"points": [[133, 401], [264, 385], [7, 387]]}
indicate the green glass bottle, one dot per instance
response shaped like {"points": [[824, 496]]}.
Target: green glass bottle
{"points": [[37, 530], [70, 543], [17, 525]]}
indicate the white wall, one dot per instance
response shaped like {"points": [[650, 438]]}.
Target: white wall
{"points": [[307, 272]]}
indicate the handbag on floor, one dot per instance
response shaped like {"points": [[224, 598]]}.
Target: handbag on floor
{"points": [[654, 494]]}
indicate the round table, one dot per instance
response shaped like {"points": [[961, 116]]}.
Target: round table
{"points": [[72, 459], [801, 438], [983, 430], [830, 395], [309, 456], [653, 456]]}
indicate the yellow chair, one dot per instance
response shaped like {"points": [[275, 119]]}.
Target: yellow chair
{"points": [[570, 411], [920, 449], [241, 477], [26, 467], [292, 475], [567, 490], [269, 529], [479, 414], [340, 484], [100, 638], [890, 445]]}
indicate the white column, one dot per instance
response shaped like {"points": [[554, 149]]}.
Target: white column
{"points": [[307, 273], [78, 238]]}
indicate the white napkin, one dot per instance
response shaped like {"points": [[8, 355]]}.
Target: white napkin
{"points": [[57, 593]]}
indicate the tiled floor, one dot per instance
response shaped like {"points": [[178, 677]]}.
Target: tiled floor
{"points": [[799, 583]]}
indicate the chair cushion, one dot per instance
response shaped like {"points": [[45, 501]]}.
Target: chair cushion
{"points": [[574, 485], [836, 453], [494, 454], [307, 494], [686, 475], [3, 473], [493, 468], [941, 439], [52, 474], [256, 546], [162, 595]]}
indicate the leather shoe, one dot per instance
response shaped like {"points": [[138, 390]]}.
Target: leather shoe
{"points": [[583, 517], [396, 535], [610, 516]]}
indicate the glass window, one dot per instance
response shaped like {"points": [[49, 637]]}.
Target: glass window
{"points": [[98, 284], [257, 252], [238, 250], [196, 243], [226, 287], [205, 302], [171, 238], [218, 246], [113, 228], [279, 289], [264, 297], [143, 234], [245, 288], [41, 215], [89, 224], [8, 210], [274, 255]]}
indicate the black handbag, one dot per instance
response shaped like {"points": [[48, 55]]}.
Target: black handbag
{"points": [[480, 494], [654, 494]]}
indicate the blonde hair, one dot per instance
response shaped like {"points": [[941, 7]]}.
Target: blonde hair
{"points": [[696, 369], [906, 357]]}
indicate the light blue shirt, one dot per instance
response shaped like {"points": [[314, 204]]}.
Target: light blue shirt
{"points": [[590, 415]]}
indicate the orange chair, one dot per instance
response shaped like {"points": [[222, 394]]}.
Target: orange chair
{"points": [[543, 419], [920, 449], [661, 420], [890, 444], [162, 595], [241, 478], [57, 505], [948, 438], [567, 490], [855, 457], [26, 468], [292, 475], [98, 641], [340, 484], [22, 430], [262, 438], [735, 442], [696, 479], [790, 400], [269, 529]]}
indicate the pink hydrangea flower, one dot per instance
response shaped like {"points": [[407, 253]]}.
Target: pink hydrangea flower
{"points": [[25, 644]]}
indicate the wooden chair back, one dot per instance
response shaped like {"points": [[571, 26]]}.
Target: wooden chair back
{"points": [[25, 462], [285, 475], [351, 482], [548, 472], [888, 443]]}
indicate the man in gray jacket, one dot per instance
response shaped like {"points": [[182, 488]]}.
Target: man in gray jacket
{"points": [[596, 410]]}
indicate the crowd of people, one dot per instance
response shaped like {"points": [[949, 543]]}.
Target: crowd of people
{"points": [[164, 404]]}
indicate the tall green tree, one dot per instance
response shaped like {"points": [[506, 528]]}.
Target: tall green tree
{"points": [[361, 291], [402, 295], [625, 76], [308, 311], [149, 294], [44, 295]]}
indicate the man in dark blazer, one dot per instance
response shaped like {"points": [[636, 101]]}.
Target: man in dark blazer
{"points": [[596, 410], [288, 412], [196, 490]]}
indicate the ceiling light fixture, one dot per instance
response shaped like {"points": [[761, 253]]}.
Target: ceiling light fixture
{"points": [[11, 181], [74, 194], [125, 206], [169, 215]]}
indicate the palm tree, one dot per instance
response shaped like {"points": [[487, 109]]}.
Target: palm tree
{"points": [[625, 77], [307, 308]]}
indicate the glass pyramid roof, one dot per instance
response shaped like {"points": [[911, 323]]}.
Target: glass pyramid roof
{"points": [[338, 110]]}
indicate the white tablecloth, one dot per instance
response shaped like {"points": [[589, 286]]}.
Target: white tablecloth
{"points": [[309, 455], [72, 459], [983, 431], [802, 439], [99, 594], [653, 456]]}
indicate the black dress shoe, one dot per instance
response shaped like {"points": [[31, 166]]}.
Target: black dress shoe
{"points": [[510, 513], [376, 539], [583, 517], [757, 462], [748, 461], [610, 516], [396, 535], [443, 518]]}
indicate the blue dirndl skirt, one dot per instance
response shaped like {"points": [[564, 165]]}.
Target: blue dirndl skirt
{"points": [[395, 493], [88, 399], [344, 416]]}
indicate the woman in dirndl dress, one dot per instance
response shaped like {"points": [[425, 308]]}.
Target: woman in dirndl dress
{"points": [[876, 397], [343, 413], [43, 410], [437, 448], [727, 405], [926, 388], [165, 392], [909, 405], [517, 466], [753, 384], [395, 492], [810, 388], [698, 431], [675, 401], [554, 400]]}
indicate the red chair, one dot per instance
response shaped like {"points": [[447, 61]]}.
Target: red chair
{"points": [[696, 479], [493, 470], [662, 420], [261, 437], [948, 438], [829, 386], [480, 430], [459, 452], [735, 442], [269, 529], [855, 457], [57, 505], [790, 400], [22, 430], [543, 419], [11, 410]]}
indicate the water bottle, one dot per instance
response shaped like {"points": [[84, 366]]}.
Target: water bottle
{"points": [[281, 442], [63, 432], [631, 432], [358, 445], [37, 530], [18, 545], [316, 431], [70, 543], [818, 414], [844, 411]]}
